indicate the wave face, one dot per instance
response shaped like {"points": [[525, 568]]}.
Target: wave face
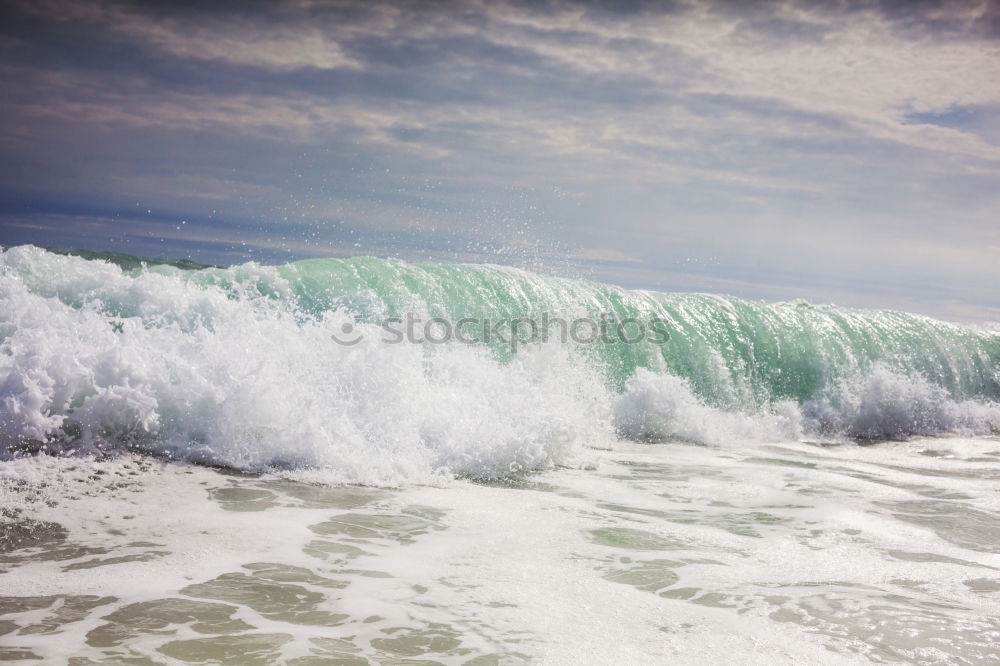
{"points": [[240, 366]]}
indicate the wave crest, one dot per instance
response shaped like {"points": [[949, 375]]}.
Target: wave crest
{"points": [[238, 367]]}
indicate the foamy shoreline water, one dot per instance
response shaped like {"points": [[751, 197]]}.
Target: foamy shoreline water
{"points": [[750, 554]]}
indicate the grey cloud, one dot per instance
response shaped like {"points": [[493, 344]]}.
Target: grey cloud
{"points": [[710, 140]]}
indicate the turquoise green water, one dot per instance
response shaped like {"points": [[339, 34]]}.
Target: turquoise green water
{"points": [[732, 351]]}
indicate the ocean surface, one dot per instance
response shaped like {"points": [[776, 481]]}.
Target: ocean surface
{"points": [[367, 461]]}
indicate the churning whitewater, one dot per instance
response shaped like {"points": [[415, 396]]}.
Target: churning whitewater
{"points": [[244, 367]]}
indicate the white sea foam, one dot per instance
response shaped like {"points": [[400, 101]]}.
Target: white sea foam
{"points": [[770, 553], [876, 404], [201, 374], [661, 408], [883, 403]]}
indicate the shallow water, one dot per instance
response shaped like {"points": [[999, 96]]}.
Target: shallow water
{"points": [[791, 552]]}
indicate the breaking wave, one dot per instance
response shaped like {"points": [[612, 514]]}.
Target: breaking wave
{"points": [[241, 367]]}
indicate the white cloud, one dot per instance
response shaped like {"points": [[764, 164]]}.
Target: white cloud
{"points": [[272, 47], [247, 42], [861, 70]]}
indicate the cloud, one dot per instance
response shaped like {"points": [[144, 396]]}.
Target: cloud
{"points": [[847, 142], [856, 67], [228, 38]]}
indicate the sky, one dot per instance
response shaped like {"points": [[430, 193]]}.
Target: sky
{"points": [[837, 152]]}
